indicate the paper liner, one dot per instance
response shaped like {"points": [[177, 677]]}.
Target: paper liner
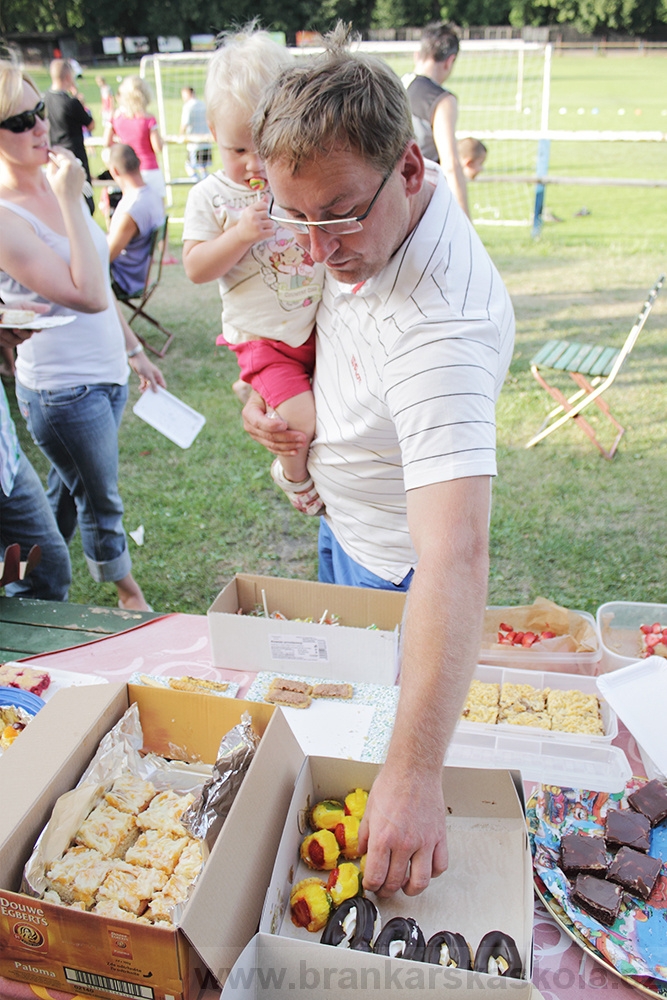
{"points": [[574, 634]]}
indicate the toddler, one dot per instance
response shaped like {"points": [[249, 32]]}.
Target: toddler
{"points": [[269, 285]]}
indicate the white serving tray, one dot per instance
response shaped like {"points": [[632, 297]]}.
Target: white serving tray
{"points": [[170, 416]]}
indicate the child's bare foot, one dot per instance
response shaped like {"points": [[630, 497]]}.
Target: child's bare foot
{"points": [[130, 596], [242, 390]]}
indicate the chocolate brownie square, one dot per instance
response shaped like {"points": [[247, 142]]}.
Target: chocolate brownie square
{"points": [[627, 828], [636, 872], [598, 897], [651, 800], [579, 853]]}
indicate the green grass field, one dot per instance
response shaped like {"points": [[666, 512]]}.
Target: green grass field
{"points": [[566, 524]]}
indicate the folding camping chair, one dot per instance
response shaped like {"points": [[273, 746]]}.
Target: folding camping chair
{"points": [[137, 302], [593, 368]]}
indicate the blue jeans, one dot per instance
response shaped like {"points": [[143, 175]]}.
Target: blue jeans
{"points": [[27, 519], [77, 429], [335, 566]]}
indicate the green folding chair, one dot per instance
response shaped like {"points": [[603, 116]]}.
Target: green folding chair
{"points": [[593, 367]]}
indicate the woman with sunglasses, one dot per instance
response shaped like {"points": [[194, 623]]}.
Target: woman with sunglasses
{"points": [[71, 381]]}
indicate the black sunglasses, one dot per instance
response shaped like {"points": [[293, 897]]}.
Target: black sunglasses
{"points": [[25, 120]]}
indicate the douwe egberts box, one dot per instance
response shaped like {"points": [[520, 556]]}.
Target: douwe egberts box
{"points": [[487, 886], [362, 649], [82, 952]]}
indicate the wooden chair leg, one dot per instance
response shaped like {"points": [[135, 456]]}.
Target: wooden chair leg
{"points": [[565, 406]]}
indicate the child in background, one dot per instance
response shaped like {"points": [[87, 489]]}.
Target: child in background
{"points": [[269, 285], [472, 154], [134, 126], [107, 100]]}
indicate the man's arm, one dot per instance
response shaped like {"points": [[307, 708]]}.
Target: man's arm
{"points": [[444, 136], [404, 826], [122, 230]]}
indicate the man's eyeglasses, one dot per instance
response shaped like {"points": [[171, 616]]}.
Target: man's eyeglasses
{"points": [[25, 120], [337, 227]]}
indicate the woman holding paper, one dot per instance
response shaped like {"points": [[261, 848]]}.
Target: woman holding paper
{"points": [[71, 383]]}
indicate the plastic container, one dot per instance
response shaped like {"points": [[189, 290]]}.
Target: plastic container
{"points": [[587, 663], [638, 693], [600, 768], [618, 624], [541, 680], [29, 702]]}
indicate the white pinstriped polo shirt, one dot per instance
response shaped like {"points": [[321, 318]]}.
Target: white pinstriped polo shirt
{"points": [[408, 370]]}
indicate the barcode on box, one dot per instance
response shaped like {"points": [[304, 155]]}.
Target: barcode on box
{"points": [[301, 648], [118, 986]]}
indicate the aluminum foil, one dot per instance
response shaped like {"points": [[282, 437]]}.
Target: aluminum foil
{"points": [[208, 812]]}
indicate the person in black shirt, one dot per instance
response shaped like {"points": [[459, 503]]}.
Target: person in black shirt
{"points": [[434, 109], [67, 118]]}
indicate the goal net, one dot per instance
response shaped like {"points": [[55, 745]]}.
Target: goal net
{"points": [[502, 89]]}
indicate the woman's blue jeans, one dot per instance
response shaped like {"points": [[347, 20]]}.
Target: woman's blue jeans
{"points": [[77, 429]]}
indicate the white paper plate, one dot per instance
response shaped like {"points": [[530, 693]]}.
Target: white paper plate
{"points": [[60, 678], [170, 416], [42, 323]]}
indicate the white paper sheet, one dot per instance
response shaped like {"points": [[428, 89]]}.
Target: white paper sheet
{"points": [[170, 416], [330, 729]]}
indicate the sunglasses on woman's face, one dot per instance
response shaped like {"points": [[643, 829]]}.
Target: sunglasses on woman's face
{"points": [[25, 120]]}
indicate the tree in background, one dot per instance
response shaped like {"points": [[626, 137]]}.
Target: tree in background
{"points": [[90, 20]]}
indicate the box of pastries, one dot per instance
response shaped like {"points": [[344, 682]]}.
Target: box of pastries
{"points": [[110, 880]]}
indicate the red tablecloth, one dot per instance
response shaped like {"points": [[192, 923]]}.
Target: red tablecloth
{"points": [[179, 644]]}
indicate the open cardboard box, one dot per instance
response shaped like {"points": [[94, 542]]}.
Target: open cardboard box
{"points": [[348, 652], [82, 952], [488, 885], [276, 967]]}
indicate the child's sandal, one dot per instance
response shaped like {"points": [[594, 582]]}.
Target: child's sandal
{"points": [[303, 496]]}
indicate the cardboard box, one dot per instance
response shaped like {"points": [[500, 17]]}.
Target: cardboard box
{"points": [[348, 652], [85, 953], [275, 967], [488, 885]]}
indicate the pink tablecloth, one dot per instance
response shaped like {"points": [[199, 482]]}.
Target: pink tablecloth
{"points": [[179, 644]]}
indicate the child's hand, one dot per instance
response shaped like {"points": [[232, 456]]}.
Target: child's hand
{"points": [[254, 223]]}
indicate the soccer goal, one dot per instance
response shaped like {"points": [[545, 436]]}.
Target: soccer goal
{"points": [[502, 88]]}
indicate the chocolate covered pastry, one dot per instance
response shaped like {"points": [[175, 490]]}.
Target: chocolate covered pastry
{"points": [[636, 872], [404, 934], [598, 897], [498, 955], [651, 800], [449, 949], [627, 828], [353, 924], [579, 853]]}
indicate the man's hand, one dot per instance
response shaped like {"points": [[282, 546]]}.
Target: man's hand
{"points": [[269, 430], [403, 831]]}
